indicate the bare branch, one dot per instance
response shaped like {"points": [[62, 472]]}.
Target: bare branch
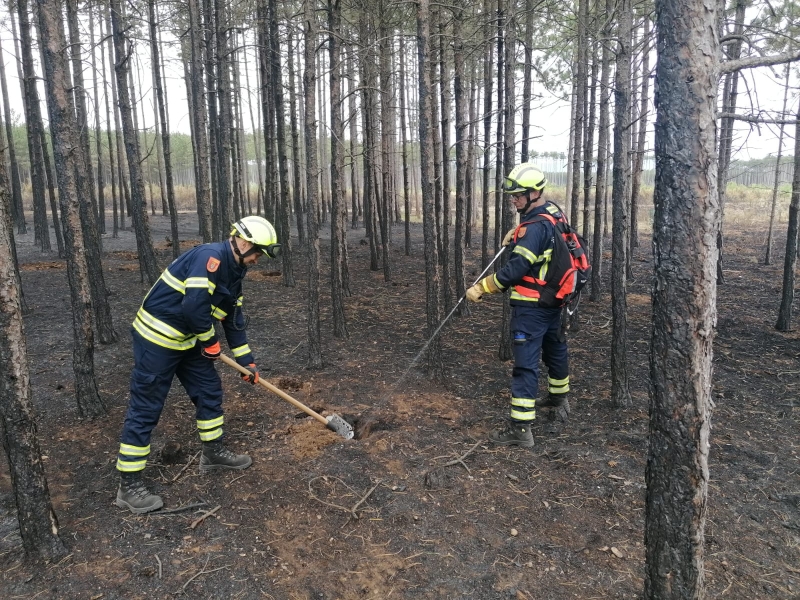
{"points": [[730, 66], [756, 119]]}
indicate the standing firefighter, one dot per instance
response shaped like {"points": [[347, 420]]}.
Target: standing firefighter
{"points": [[173, 334], [533, 274]]}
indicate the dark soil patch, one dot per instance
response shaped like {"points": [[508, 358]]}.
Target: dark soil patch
{"points": [[381, 516]]}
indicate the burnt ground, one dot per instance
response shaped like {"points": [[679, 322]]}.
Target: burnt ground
{"points": [[394, 514]]}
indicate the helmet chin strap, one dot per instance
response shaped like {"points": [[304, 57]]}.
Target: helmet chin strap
{"points": [[240, 255]]}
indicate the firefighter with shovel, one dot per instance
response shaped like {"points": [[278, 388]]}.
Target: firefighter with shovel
{"points": [[173, 334]]}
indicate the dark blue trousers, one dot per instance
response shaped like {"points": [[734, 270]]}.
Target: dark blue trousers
{"points": [[535, 334], [154, 369]]}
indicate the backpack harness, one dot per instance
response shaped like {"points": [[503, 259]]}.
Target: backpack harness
{"points": [[569, 268]]}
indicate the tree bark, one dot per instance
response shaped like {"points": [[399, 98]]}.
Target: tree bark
{"points": [[790, 258], [620, 392], [580, 100], [445, 97], [144, 243], [64, 133], [638, 157], [602, 157], [166, 145], [775, 185], [505, 350], [312, 177], [338, 210], [684, 299], [462, 155], [33, 121], [101, 199], [434, 354], [202, 185], [488, 80], [299, 210], [16, 188], [280, 131], [38, 524], [404, 148]]}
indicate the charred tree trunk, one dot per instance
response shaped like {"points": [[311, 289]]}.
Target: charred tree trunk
{"points": [[462, 154], [64, 133], [101, 197], [144, 243], [38, 525], [202, 185], [225, 119], [776, 183], [602, 157], [638, 157], [488, 80], [505, 351], [790, 258], [684, 299], [445, 99], [620, 392], [285, 202], [338, 206], [16, 187], [580, 100], [312, 177], [434, 354], [299, 210], [33, 121], [166, 146], [403, 148]]}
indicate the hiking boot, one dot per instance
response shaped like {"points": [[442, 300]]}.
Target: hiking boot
{"points": [[558, 416], [554, 400], [217, 456], [514, 434], [133, 495]]}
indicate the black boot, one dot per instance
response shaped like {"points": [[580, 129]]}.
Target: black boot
{"points": [[514, 434], [559, 415], [217, 456], [133, 495]]}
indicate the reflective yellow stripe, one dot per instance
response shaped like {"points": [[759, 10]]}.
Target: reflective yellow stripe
{"points": [[160, 340], [129, 450], [523, 402], [161, 327], [130, 466], [218, 313], [240, 351], [207, 436], [561, 389], [175, 284], [211, 423], [206, 335], [523, 416], [527, 254], [564, 381], [517, 296], [239, 301], [200, 282]]}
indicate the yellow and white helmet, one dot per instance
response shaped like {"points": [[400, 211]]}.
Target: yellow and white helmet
{"points": [[525, 177], [259, 232]]}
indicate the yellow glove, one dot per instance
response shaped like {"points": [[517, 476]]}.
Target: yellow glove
{"points": [[474, 293], [487, 285], [509, 237]]}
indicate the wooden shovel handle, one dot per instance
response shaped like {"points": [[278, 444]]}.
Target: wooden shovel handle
{"points": [[274, 390]]}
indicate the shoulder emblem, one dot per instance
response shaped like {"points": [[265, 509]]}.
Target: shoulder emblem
{"points": [[212, 265], [521, 231]]}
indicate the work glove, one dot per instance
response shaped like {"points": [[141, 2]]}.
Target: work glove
{"points": [[211, 352], [509, 237], [487, 285], [253, 376], [475, 292]]}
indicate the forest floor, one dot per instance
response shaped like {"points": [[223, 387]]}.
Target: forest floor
{"points": [[394, 514]]}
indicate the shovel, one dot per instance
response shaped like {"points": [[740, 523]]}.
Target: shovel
{"points": [[332, 422]]}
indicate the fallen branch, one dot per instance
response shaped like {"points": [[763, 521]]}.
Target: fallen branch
{"points": [[367, 495], [186, 466], [158, 560], [180, 509], [203, 571], [460, 459], [204, 516]]}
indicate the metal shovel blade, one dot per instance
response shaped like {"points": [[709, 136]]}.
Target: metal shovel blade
{"points": [[340, 426]]}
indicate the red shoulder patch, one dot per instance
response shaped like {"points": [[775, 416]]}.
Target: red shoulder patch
{"points": [[212, 264], [521, 232]]}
